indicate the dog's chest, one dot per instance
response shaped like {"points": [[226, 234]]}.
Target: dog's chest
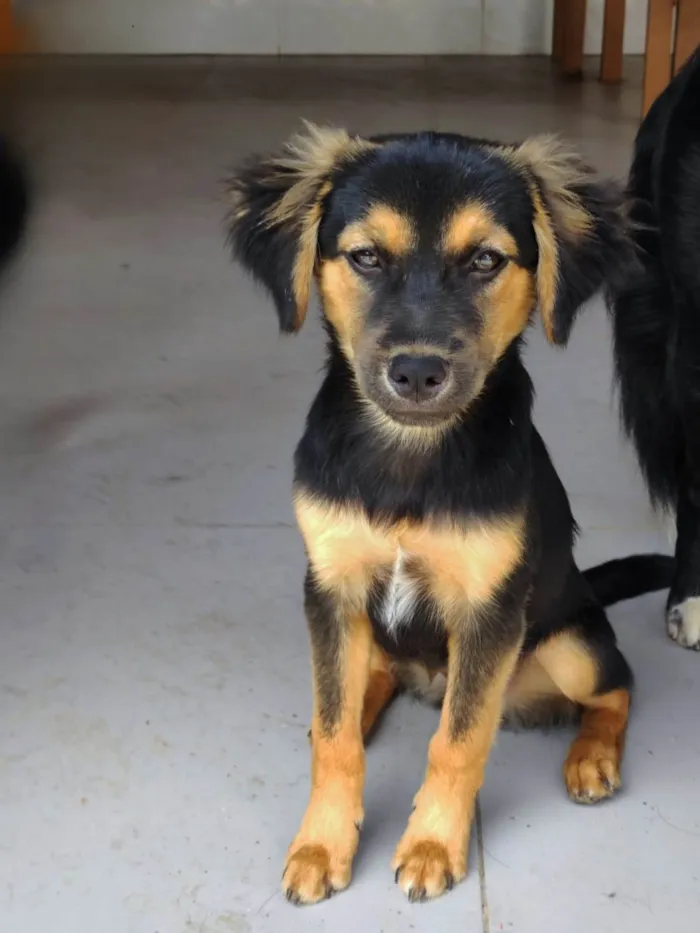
{"points": [[400, 595], [403, 609], [406, 572]]}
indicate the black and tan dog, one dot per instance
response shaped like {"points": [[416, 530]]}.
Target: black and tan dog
{"points": [[657, 329], [439, 537]]}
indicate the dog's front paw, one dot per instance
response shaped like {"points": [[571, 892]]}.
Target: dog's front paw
{"points": [[312, 874], [683, 623], [424, 869]]}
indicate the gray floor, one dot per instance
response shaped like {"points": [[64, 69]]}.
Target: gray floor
{"points": [[154, 667]]}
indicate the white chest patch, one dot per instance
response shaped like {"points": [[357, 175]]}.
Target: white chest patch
{"points": [[401, 595]]}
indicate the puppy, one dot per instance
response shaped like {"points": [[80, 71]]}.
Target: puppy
{"points": [[656, 315], [439, 537]]}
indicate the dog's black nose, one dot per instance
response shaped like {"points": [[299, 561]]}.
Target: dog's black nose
{"points": [[417, 377]]}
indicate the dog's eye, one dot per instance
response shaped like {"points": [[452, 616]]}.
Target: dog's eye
{"points": [[486, 262], [366, 260]]}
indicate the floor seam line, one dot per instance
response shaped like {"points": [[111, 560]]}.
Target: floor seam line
{"points": [[485, 915]]}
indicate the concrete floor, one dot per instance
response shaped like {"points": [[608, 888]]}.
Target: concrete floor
{"points": [[154, 666]]}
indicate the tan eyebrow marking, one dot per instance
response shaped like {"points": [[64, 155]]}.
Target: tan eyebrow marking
{"points": [[473, 224], [382, 226]]}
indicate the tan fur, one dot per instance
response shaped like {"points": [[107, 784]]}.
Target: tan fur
{"points": [[305, 262], [433, 851], [592, 767], [427, 682], [507, 303], [382, 226], [320, 857], [569, 663], [559, 170], [412, 438], [381, 687], [345, 298], [345, 550], [472, 225], [311, 156], [469, 562], [548, 263], [344, 294], [530, 683], [533, 700]]}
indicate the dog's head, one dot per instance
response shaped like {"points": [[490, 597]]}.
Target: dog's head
{"points": [[430, 252]]}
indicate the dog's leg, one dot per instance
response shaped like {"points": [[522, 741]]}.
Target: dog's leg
{"points": [[683, 608], [590, 670], [382, 684], [483, 652], [319, 860], [381, 688]]}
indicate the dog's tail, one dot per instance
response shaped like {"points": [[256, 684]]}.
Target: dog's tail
{"points": [[14, 201], [628, 577]]}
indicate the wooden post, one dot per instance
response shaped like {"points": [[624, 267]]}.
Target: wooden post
{"points": [[687, 32], [15, 34], [613, 41], [657, 55], [574, 14], [7, 32], [559, 31]]}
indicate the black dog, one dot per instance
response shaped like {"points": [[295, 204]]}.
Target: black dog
{"points": [[657, 329], [438, 534], [14, 201]]}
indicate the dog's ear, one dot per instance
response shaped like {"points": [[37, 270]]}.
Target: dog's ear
{"points": [[581, 230], [277, 209]]}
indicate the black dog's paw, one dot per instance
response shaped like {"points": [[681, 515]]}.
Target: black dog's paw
{"points": [[683, 623]]}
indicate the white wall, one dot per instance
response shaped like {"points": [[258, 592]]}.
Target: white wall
{"points": [[424, 27]]}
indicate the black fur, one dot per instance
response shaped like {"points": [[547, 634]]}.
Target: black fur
{"points": [[656, 314], [268, 253], [597, 262], [14, 201], [629, 577]]}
